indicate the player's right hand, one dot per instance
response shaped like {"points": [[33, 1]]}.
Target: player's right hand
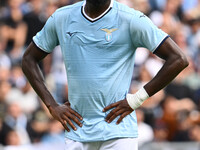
{"points": [[65, 114]]}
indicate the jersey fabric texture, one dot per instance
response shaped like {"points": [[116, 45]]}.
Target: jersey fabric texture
{"points": [[99, 59]]}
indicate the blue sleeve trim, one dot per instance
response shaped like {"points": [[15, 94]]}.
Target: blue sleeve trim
{"points": [[161, 44]]}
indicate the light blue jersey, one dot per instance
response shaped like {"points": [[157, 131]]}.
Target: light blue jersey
{"points": [[99, 60]]}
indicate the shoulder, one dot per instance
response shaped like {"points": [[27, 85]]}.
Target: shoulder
{"points": [[126, 12], [66, 10]]}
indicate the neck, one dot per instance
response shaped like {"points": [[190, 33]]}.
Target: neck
{"points": [[95, 8]]}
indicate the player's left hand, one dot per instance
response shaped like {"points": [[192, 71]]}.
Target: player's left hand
{"points": [[121, 109]]}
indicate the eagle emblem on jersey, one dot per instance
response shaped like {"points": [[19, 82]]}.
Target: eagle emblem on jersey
{"points": [[109, 33]]}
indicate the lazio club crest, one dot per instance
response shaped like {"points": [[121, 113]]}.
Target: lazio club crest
{"points": [[108, 34]]}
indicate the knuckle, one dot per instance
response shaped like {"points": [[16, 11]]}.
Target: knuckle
{"points": [[108, 116], [67, 120], [64, 117], [113, 111], [112, 118], [65, 114], [123, 115], [71, 111], [69, 115], [76, 120], [115, 115], [63, 123]]}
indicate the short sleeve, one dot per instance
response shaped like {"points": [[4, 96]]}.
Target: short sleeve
{"points": [[47, 38], [145, 34]]}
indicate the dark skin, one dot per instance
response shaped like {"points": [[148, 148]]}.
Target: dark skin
{"points": [[175, 62], [96, 8]]}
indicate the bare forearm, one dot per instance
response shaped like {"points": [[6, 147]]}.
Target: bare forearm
{"points": [[173, 65], [33, 73], [167, 73]]}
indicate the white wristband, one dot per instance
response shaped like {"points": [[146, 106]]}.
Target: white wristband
{"points": [[137, 99]]}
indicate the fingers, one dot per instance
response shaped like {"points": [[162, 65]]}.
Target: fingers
{"points": [[120, 108], [111, 106], [64, 124], [68, 121], [119, 112], [72, 117], [112, 115], [122, 117], [76, 114], [68, 117]]}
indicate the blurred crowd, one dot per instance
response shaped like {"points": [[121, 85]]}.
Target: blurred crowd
{"points": [[172, 114]]}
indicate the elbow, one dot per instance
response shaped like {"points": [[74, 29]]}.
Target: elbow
{"points": [[182, 61], [185, 61]]}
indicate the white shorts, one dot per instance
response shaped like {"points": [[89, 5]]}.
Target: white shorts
{"points": [[115, 144]]}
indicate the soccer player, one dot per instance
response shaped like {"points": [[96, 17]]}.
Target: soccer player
{"points": [[98, 39]]}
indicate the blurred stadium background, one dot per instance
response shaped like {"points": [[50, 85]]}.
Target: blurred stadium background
{"points": [[169, 120]]}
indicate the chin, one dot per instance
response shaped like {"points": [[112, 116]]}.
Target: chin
{"points": [[97, 2]]}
